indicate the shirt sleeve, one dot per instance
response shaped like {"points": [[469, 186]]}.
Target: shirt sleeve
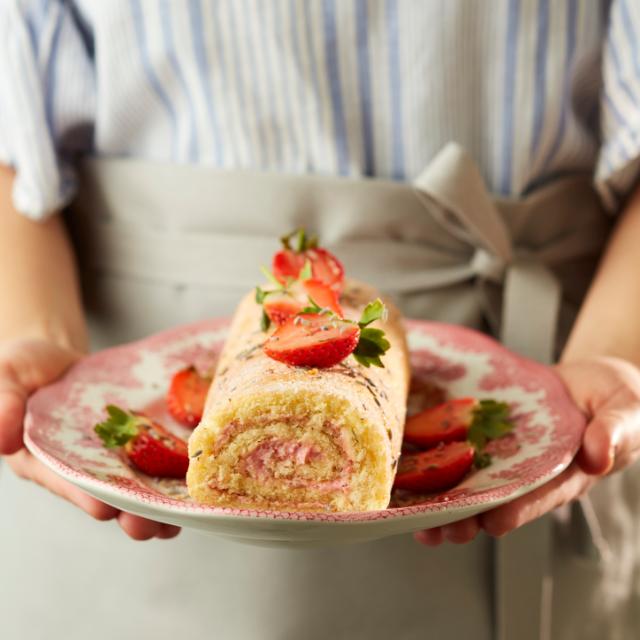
{"points": [[618, 168], [47, 100]]}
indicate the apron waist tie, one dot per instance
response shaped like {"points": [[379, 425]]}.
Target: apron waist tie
{"points": [[444, 230]]}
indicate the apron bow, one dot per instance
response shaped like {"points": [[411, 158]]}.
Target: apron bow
{"points": [[453, 190]]}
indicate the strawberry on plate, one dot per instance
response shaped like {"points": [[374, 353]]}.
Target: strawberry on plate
{"points": [[187, 395], [436, 469], [318, 338], [459, 419], [148, 445], [445, 422], [289, 262]]}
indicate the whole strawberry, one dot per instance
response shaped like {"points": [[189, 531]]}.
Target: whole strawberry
{"points": [[148, 445]]}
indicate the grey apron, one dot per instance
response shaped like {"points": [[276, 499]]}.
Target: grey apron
{"points": [[166, 244]]}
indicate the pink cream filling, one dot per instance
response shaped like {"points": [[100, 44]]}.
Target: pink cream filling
{"points": [[262, 462]]}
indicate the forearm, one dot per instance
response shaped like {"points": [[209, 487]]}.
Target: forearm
{"points": [[38, 279], [609, 320]]}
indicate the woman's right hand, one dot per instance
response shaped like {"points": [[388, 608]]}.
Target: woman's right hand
{"points": [[25, 366]]}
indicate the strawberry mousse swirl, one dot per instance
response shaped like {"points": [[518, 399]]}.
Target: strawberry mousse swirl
{"points": [[281, 459]]}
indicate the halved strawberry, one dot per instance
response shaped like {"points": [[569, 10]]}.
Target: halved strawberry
{"points": [[326, 267], [477, 421], [147, 444], [288, 262], [313, 340], [445, 422], [323, 295], [436, 469], [186, 396], [319, 338], [280, 306]]}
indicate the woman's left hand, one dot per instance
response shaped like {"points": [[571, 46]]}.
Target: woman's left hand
{"points": [[607, 390]]}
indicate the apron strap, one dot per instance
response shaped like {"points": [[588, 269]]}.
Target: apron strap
{"points": [[453, 189], [530, 309]]}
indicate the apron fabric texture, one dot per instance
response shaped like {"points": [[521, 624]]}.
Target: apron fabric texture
{"points": [[163, 244]]}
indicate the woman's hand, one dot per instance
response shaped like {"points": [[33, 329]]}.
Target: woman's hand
{"points": [[26, 365], [607, 390]]}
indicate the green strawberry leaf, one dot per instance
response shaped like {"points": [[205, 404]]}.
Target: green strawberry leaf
{"points": [[371, 345], [303, 242], [367, 361], [286, 240], [265, 321], [373, 311], [314, 307], [481, 460], [306, 273], [313, 242], [490, 421], [119, 427], [261, 294], [270, 277]]}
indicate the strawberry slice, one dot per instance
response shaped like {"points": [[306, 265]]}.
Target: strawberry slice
{"points": [[280, 306], [318, 338], [326, 267], [148, 445], [187, 395], [288, 262], [323, 295], [460, 419], [313, 340], [446, 422], [434, 470]]}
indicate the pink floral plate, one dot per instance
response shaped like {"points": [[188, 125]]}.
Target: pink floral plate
{"points": [[447, 361]]}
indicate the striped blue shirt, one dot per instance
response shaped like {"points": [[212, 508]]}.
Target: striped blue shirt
{"points": [[532, 88]]}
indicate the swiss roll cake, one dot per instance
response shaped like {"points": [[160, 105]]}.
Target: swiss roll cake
{"points": [[298, 438]]}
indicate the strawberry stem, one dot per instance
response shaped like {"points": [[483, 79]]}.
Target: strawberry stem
{"points": [[271, 278], [120, 427], [491, 420], [372, 343], [303, 242], [375, 310]]}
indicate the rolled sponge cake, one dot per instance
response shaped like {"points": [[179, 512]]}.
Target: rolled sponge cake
{"points": [[292, 438]]}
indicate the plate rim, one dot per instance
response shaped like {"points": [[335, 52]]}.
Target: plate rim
{"points": [[505, 493], [97, 488]]}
